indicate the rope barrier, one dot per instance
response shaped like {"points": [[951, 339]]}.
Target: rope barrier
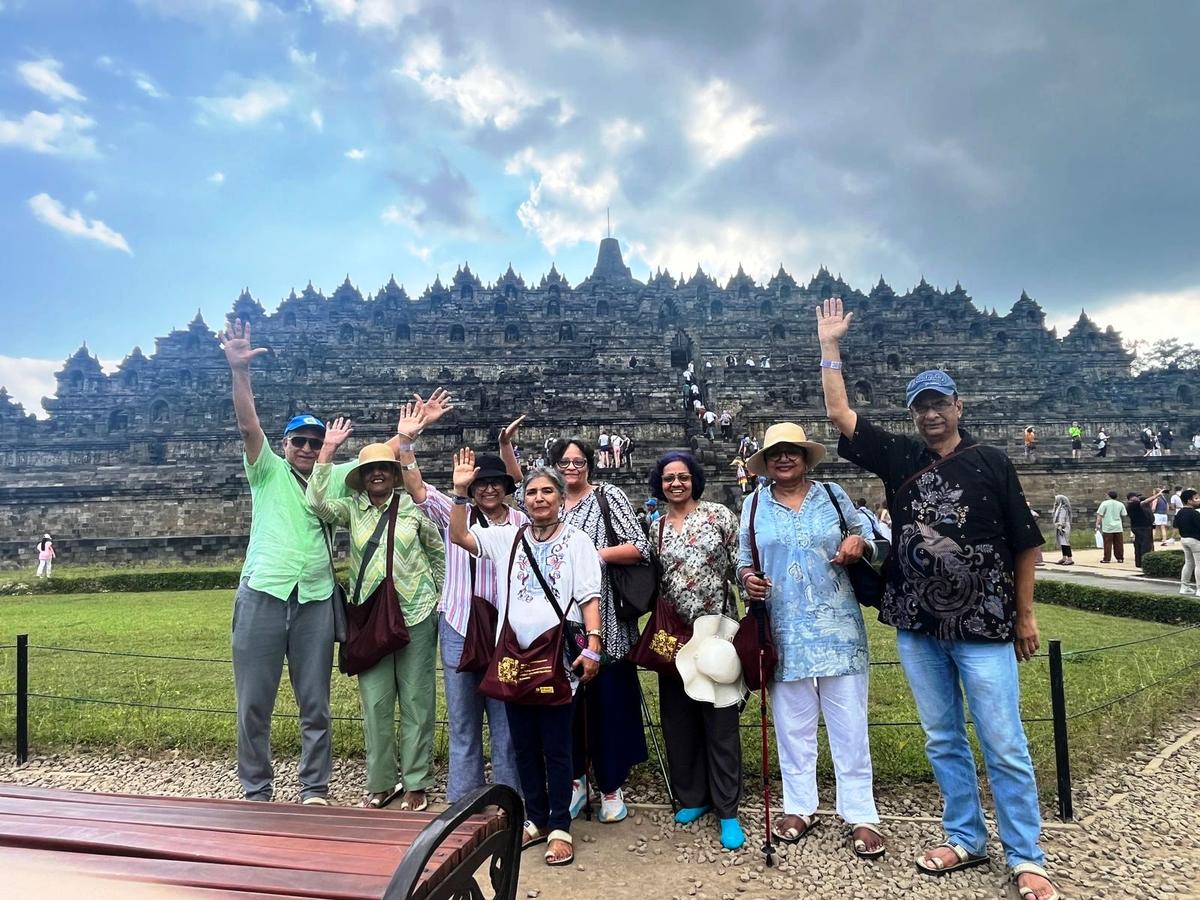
{"points": [[1157, 637], [1145, 687], [211, 659]]}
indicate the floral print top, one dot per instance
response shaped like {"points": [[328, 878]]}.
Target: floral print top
{"points": [[697, 560]]}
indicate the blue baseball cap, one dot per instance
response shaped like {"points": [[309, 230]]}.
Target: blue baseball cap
{"points": [[304, 420], [652, 502], [929, 380]]}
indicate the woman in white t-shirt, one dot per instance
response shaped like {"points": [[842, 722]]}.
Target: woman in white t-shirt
{"points": [[569, 563]]}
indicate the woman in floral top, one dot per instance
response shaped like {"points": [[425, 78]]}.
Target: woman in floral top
{"points": [[696, 542]]}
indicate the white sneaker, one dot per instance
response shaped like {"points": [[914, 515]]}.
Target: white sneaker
{"points": [[612, 807], [578, 796], [1184, 589]]}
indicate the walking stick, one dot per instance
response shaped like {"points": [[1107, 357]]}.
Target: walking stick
{"points": [[662, 766], [760, 617]]}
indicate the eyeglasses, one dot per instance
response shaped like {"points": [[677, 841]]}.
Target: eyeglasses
{"points": [[489, 485], [940, 406], [572, 464], [682, 479], [789, 452], [313, 443]]}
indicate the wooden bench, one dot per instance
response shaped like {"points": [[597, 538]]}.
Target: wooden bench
{"points": [[231, 848]]}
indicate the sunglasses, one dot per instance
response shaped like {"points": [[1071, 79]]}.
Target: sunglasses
{"points": [[377, 467], [671, 479], [312, 443], [572, 464]]}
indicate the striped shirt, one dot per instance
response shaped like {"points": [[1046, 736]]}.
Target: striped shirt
{"points": [[455, 604]]}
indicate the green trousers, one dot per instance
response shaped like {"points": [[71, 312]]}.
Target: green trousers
{"points": [[408, 676]]}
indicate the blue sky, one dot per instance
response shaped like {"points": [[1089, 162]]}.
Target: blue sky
{"points": [[158, 155]]}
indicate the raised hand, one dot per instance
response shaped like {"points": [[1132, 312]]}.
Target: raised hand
{"points": [[412, 421], [439, 403], [510, 430], [832, 323], [236, 343], [338, 431], [464, 471]]}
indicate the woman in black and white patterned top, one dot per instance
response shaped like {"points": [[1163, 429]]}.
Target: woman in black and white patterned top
{"points": [[609, 729]]}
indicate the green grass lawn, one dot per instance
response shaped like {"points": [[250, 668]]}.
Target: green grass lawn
{"points": [[197, 623]]}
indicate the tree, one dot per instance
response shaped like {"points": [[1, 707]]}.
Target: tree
{"points": [[1168, 353]]}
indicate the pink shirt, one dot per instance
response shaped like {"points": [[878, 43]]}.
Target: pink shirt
{"points": [[48, 552]]}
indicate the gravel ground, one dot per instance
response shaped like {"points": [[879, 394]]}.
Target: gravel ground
{"points": [[1138, 834]]}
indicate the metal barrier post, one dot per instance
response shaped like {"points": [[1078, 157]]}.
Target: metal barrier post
{"points": [[1062, 754], [22, 698]]}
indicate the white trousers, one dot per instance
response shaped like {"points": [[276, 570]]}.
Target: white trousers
{"points": [[45, 566], [843, 701]]}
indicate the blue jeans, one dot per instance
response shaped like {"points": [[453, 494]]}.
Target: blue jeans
{"points": [[987, 672], [465, 708]]}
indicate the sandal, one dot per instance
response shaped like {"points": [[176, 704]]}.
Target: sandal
{"points": [[860, 846], [420, 807], [380, 799], [551, 858], [1032, 869], [937, 868], [531, 835], [793, 835]]}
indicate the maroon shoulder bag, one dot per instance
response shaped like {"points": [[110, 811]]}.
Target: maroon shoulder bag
{"points": [[480, 640], [665, 631], [537, 674], [375, 627], [753, 642]]}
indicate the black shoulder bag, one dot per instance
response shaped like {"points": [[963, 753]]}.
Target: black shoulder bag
{"points": [[867, 582], [634, 587]]}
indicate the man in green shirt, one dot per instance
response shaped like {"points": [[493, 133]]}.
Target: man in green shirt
{"points": [[1108, 521], [281, 609], [1076, 435]]}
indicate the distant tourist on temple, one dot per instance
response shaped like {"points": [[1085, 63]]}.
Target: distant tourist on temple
{"points": [[1175, 505], [617, 444], [627, 448], [1141, 522], [742, 475], [1162, 515], [1166, 439], [397, 558], [710, 423], [963, 530], [726, 425], [1109, 514], [1101, 443], [1187, 521], [1030, 442], [1196, 442], [884, 531], [1061, 517], [604, 450], [1149, 441], [1076, 435], [45, 552], [696, 544]]}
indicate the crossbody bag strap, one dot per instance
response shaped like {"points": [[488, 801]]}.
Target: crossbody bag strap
{"points": [[662, 524], [606, 514], [482, 521], [754, 557], [929, 468], [512, 557], [838, 507], [326, 531], [537, 572], [369, 551]]}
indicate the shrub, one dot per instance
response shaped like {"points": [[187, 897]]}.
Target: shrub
{"points": [[131, 581], [1162, 564], [1171, 610]]}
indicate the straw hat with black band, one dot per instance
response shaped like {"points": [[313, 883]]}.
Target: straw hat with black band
{"points": [[372, 453], [786, 433]]}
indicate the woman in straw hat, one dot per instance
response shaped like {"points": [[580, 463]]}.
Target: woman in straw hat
{"points": [[818, 630], [418, 570], [696, 543]]}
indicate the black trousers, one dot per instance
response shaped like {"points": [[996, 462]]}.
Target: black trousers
{"points": [[704, 750], [608, 726], [1143, 543], [541, 737]]}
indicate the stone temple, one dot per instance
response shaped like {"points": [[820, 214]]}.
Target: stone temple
{"points": [[144, 463]]}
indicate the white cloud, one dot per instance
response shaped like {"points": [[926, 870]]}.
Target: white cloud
{"points": [[260, 100], [245, 11], [43, 76], [620, 132], [403, 215], [29, 379], [317, 119], [369, 14], [146, 85], [1144, 315], [72, 222], [58, 134], [482, 93], [302, 59], [721, 124], [216, 178], [563, 207], [421, 253], [356, 153]]}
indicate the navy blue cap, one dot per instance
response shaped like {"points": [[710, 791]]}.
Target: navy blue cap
{"points": [[304, 420], [929, 380]]}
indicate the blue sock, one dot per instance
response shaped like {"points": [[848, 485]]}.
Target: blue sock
{"points": [[691, 814], [732, 836]]}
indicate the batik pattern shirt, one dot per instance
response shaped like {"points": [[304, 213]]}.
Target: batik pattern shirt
{"points": [[697, 560], [956, 531], [815, 618]]}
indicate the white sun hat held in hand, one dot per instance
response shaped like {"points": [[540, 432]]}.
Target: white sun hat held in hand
{"points": [[709, 664]]}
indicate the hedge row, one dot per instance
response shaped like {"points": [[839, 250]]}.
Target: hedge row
{"points": [[1165, 608], [133, 581], [1162, 564]]}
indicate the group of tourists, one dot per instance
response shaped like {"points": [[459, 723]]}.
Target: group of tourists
{"points": [[537, 604], [1162, 515]]}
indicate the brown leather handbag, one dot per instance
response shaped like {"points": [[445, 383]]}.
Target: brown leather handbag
{"points": [[535, 675], [480, 640], [665, 631], [753, 642], [375, 627]]}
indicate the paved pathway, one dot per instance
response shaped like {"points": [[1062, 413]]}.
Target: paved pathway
{"points": [[1089, 570]]}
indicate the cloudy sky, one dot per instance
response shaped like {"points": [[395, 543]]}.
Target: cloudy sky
{"points": [[158, 155]]}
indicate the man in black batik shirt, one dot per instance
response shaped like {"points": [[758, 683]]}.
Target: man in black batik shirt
{"points": [[960, 595]]}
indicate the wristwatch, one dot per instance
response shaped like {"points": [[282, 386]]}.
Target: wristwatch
{"points": [[408, 467], [461, 501]]}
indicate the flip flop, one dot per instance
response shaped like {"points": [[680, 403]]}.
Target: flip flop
{"points": [[420, 807], [381, 799], [793, 835], [937, 868], [565, 837], [531, 836], [859, 846], [1032, 869]]}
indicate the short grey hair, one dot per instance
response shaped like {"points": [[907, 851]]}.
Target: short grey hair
{"points": [[545, 472]]}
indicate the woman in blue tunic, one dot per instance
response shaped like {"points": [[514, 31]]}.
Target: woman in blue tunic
{"points": [[818, 630]]}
